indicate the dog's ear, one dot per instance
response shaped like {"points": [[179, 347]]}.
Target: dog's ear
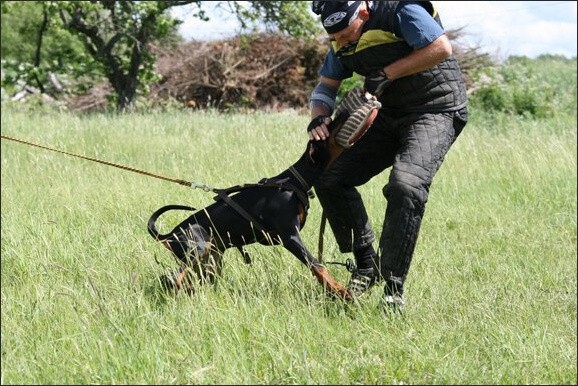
{"points": [[317, 151]]}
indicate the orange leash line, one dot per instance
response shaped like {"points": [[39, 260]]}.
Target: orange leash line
{"points": [[178, 181]]}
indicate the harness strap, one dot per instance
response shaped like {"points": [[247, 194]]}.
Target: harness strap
{"points": [[230, 190], [237, 188], [303, 196], [299, 178], [223, 195]]}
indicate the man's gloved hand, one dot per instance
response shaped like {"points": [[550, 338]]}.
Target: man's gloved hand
{"points": [[320, 134], [376, 82], [315, 146], [317, 121]]}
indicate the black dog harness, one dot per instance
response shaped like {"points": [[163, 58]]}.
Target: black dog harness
{"points": [[303, 195]]}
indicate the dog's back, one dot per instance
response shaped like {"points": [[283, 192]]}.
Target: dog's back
{"points": [[276, 211]]}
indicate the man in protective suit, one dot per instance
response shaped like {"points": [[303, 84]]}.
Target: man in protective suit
{"points": [[406, 58]]}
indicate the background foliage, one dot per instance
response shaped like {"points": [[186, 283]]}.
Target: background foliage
{"points": [[538, 88], [117, 37], [65, 50]]}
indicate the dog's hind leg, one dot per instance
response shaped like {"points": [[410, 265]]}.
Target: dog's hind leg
{"points": [[194, 248], [182, 279]]}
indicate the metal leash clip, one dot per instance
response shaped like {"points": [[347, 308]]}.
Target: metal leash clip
{"points": [[195, 185]]}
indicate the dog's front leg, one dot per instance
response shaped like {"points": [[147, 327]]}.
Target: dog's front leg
{"points": [[295, 245]]}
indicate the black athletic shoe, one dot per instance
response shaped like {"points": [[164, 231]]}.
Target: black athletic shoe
{"points": [[393, 296], [394, 301], [361, 281]]}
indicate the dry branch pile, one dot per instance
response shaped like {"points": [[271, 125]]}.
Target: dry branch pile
{"points": [[267, 72]]}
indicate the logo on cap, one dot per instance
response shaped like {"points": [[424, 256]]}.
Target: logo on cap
{"points": [[334, 18]]}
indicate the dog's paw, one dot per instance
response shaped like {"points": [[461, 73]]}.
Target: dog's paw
{"points": [[332, 286]]}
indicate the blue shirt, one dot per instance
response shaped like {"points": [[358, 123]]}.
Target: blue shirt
{"points": [[413, 23]]}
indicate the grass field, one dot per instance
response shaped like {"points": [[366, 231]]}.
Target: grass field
{"points": [[491, 295]]}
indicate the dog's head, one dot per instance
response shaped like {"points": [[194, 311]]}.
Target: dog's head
{"points": [[321, 153]]}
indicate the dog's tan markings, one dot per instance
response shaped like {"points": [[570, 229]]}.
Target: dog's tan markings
{"points": [[332, 287], [301, 214], [180, 278]]}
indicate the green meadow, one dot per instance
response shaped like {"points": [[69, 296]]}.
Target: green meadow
{"points": [[490, 299]]}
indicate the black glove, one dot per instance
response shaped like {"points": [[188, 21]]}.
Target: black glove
{"points": [[317, 121], [376, 82]]}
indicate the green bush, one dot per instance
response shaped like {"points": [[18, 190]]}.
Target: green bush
{"points": [[535, 88]]}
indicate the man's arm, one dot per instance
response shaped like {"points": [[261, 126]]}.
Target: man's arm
{"points": [[420, 59], [321, 132]]}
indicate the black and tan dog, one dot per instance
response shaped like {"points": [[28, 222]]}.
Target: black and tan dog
{"points": [[271, 212]]}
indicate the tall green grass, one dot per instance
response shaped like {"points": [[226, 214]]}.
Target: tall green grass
{"points": [[491, 296]]}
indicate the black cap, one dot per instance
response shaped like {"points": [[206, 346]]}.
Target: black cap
{"points": [[336, 15]]}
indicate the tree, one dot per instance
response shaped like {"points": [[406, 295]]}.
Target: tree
{"points": [[291, 17], [116, 34], [34, 49]]}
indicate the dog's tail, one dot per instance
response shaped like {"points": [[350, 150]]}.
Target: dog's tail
{"points": [[154, 217]]}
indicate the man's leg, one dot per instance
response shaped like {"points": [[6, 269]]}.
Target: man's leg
{"points": [[424, 144], [344, 206]]}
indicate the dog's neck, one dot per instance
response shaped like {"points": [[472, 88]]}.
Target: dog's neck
{"points": [[306, 171]]}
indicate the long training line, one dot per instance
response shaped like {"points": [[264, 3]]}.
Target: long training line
{"points": [[135, 170]]}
